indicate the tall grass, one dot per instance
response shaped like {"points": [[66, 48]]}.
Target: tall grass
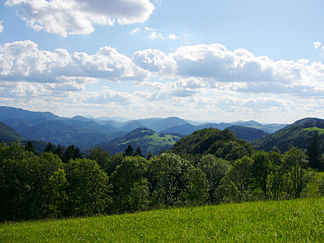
{"points": [[289, 221]]}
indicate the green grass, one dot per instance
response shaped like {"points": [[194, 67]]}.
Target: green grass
{"points": [[156, 139], [273, 221], [311, 129]]}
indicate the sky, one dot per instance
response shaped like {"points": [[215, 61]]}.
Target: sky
{"points": [[208, 60]]}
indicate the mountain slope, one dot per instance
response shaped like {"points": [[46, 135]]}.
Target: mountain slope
{"points": [[247, 133], [59, 133], [8, 135], [298, 134], [24, 115], [147, 139]]}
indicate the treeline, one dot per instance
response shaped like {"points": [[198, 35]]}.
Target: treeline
{"points": [[67, 184]]}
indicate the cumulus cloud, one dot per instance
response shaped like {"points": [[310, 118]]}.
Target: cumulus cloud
{"points": [[154, 60], [241, 69], [24, 61], [71, 17], [317, 44], [1, 27]]}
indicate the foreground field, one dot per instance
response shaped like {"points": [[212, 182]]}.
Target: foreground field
{"points": [[295, 220]]}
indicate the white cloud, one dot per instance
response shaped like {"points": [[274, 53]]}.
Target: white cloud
{"points": [[155, 36], [154, 60], [135, 31], [71, 17], [1, 27], [317, 44], [106, 96], [23, 61], [172, 36], [205, 81]]}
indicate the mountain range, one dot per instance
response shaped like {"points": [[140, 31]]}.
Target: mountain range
{"points": [[87, 132], [115, 135]]}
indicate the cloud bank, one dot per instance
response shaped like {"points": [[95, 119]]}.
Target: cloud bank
{"points": [[207, 78], [72, 17]]}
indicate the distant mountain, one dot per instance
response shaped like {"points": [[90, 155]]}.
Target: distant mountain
{"points": [[8, 135], [298, 134], [187, 129], [242, 132], [247, 133], [147, 139], [85, 132], [155, 124], [268, 128], [24, 115], [59, 133]]}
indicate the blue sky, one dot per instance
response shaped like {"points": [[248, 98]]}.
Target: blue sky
{"points": [[208, 60]]}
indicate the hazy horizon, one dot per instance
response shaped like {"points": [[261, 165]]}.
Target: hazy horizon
{"points": [[201, 61]]}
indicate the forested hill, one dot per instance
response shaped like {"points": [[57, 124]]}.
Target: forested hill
{"points": [[146, 139], [8, 134], [248, 133], [298, 134], [223, 144]]}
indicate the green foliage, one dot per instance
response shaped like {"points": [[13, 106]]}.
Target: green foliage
{"points": [[88, 189], [55, 194], [130, 187], [23, 177], [222, 144], [269, 221], [101, 157], [71, 152], [129, 151], [30, 147], [138, 151], [262, 171], [215, 169], [196, 188], [321, 187], [38, 186], [295, 161], [314, 153], [164, 173]]}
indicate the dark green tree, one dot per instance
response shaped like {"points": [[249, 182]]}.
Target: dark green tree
{"points": [[295, 160], [71, 152], [30, 147], [314, 152], [138, 151], [49, 148], [129, 151], [59, 150], [149, 156], [100, 156], [261, 171]]}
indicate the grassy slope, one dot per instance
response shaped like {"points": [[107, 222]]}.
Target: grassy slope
{"points": [[295, 220], [311, 129]]}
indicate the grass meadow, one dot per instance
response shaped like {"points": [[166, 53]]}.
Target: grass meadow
{"points": [[298, 220]]}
